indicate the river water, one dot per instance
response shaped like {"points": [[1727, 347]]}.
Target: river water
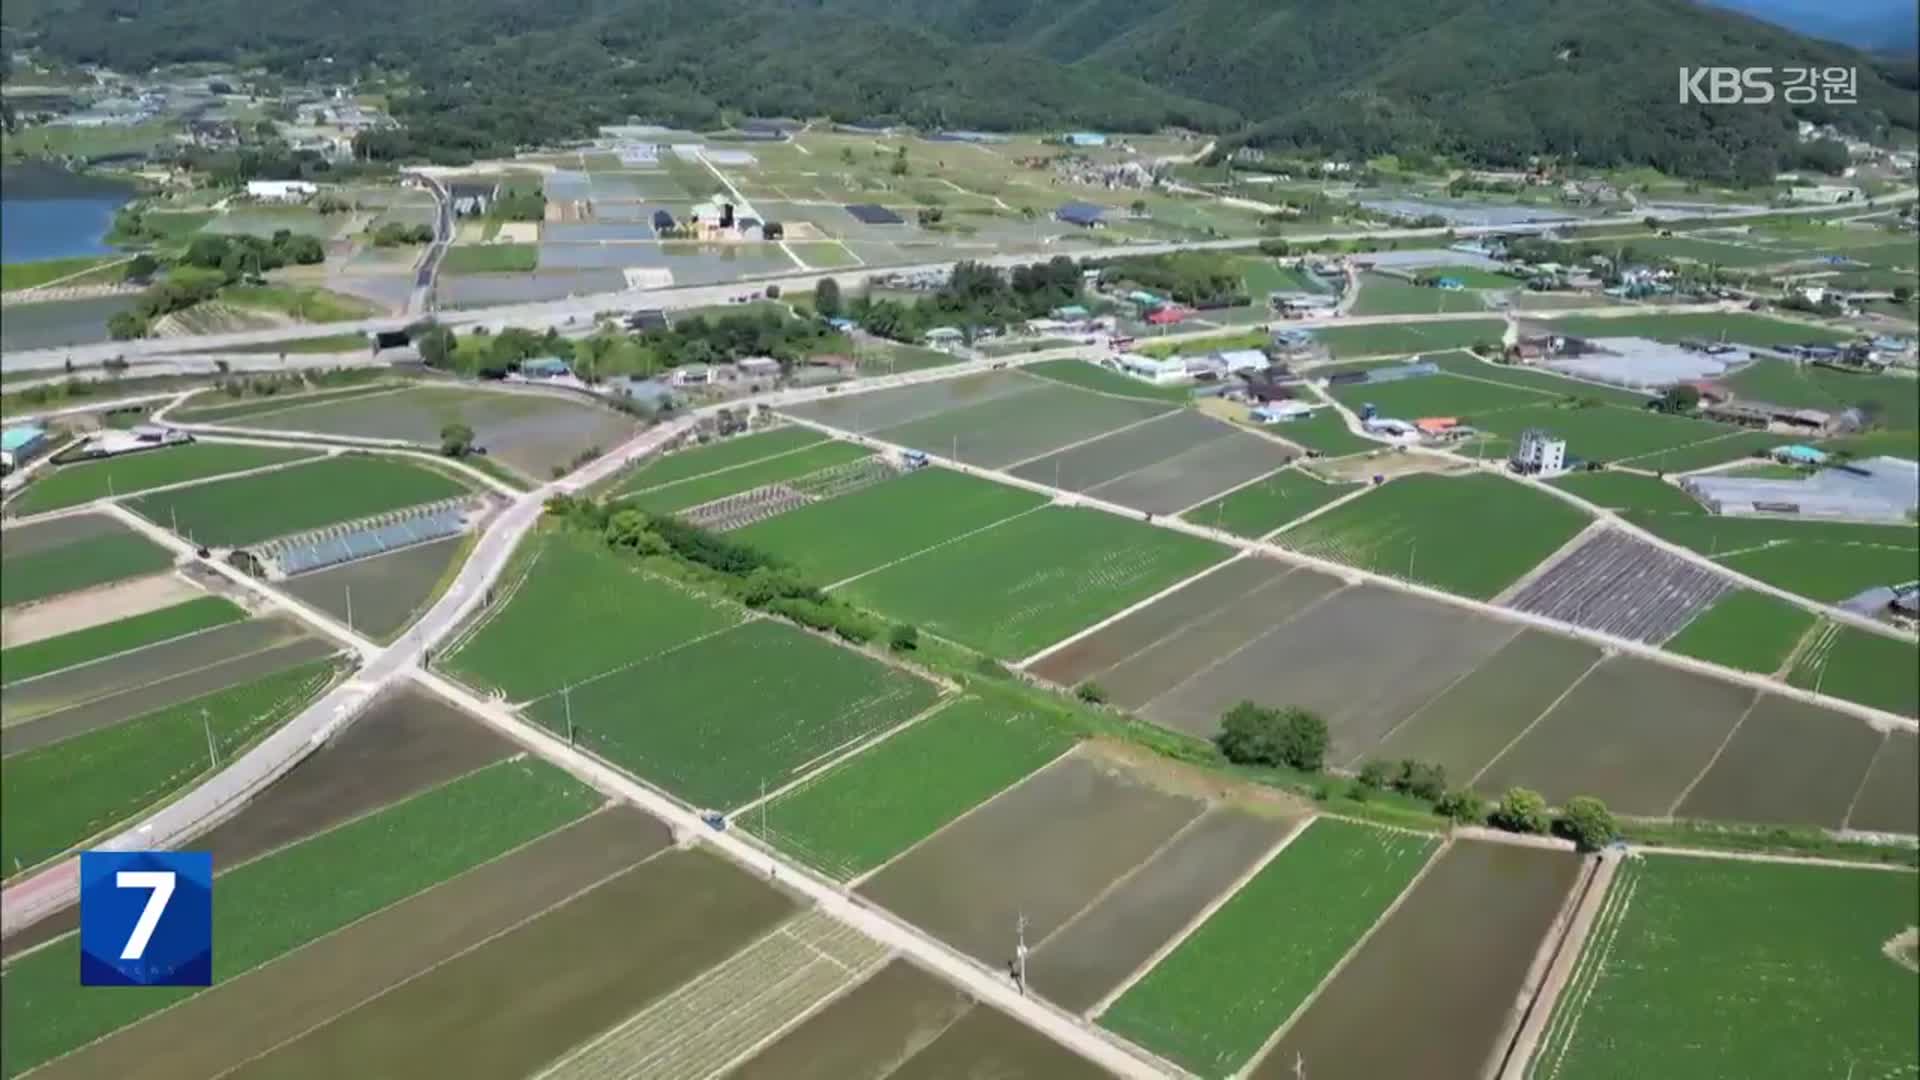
{"points": [[50, 213]]}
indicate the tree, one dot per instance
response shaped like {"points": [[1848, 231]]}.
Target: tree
{"points": [[141, 267], [456, 440], [125, 326], [1520, 811], [1420, 779], [930, 215], [773, 292], [1903, 293], [1252, 734], [1463, 807], [1375, 774], [903, 637], [1091, 692], [826, 298], [1139, 207], [436, 346], [899, 166], [1680, 398], [1587, 822]]}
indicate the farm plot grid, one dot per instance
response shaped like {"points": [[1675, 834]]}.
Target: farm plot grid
{"points": [[299, 894], [1827, 561], [712, 722], [1480, 914], [1257, 509], [72, 554], [1212, 1002], [1623, 586], [228, 513], [1722, 968], [700, 460], [1162, 466], [1033, 580], [102, 640], [880, 802], [834, 539], [129, 474], [695, 491], [576, 611], [1436, 530]]}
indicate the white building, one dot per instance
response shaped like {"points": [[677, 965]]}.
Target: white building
{"points": [[1280, 412], [1539, 452], [1150, 369], [1824, 194], [1239, 360], [281, 190]]}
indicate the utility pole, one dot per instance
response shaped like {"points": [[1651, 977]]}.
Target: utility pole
{"points": [[1020, 951], [763, 809], [173, 515], [213, 753], [349, 609], [566, 697]]}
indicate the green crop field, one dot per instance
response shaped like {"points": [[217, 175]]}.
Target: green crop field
{"points": [[1026, 584], [1824, 560], [491, 259], [300, 893], [691, 492], [1473, 277], [1861, 666], [1268, 503], [579, 610], [1604, 432], [29, 275], [725, 454], [1737, 327], [755, 705], [230, 513], [1629, 491], [1212, 1001], [1470, 400], [1807, 386], [56, 796], [1382, 295], [1746, 630], [210, 408], [1721, 968], [130, 473], [1709, 251], [879, 357], [1324, 432], [107, 639], [834, 539], [1732, 446], [96, 560], [1347, 342], [1093, 377], [879, 803], [1438, 529], [1466, 365]]}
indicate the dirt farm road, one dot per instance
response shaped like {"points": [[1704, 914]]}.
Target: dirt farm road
{"points": [[226, 792]]}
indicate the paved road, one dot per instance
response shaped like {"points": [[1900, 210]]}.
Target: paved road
{"points": [[421, 299]]}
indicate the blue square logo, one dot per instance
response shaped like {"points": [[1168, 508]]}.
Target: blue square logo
{"points": [[146, 918]]}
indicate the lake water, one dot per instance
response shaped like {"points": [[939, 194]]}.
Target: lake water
{"points": [[48, 213]]}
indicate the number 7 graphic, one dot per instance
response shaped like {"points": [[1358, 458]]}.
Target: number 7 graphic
{"points": [[161, 882]]}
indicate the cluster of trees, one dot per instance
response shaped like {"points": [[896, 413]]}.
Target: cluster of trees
{"points": [[210, 263], [489, 356], [976, 296], [400, 234], [766, 332], [1195, 278], [1294, 738]]}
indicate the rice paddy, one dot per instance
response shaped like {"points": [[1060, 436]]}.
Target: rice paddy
{"points": [[130, 474], [249, 509]]}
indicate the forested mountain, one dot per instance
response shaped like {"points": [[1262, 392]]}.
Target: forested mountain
{"points": [[1488, 81]]}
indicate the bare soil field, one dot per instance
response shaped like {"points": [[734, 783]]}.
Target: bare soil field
{"points": [[1889, 798], [1790, 763], [512, 1005], [1633, 733], [867, 1033], [43, 536], [406, 742], [1472, 720], [140, 700], [988, 1043], [1198, 475], [1091, 956], [886, 408], [1108, 458], [93, 607], [1045, 847], [388, 590], [1363, 659], [1020, 426], [236, 1021], [23, 701], [1141, 629], [1474, 921]]}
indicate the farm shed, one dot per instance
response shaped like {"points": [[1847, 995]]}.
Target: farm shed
{"points": [[1085, 215], [1882, 489], [873, 214]]}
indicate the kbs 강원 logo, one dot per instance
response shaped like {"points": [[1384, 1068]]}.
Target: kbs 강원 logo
{"points": [[1761, 85], [146, 918]]}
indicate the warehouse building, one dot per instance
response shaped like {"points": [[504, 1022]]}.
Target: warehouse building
{"points": [[1882, 489], [1085, 215]]}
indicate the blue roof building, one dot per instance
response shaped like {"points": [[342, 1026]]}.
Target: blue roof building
{"points": [[1086, 215], [545, 367], [21, 437], [1800, 455]]}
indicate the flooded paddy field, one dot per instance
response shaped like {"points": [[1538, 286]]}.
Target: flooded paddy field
{"points": [[522, 999], [1889, 798], [60, 322], [325, 983], [482, 290], [1015, 427], [1789, 763], [1479, 914], [1363, 658], [1633, 733], [1093, 955], [1045, 847], [529, 431], [387, 591], [141, 700]]}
